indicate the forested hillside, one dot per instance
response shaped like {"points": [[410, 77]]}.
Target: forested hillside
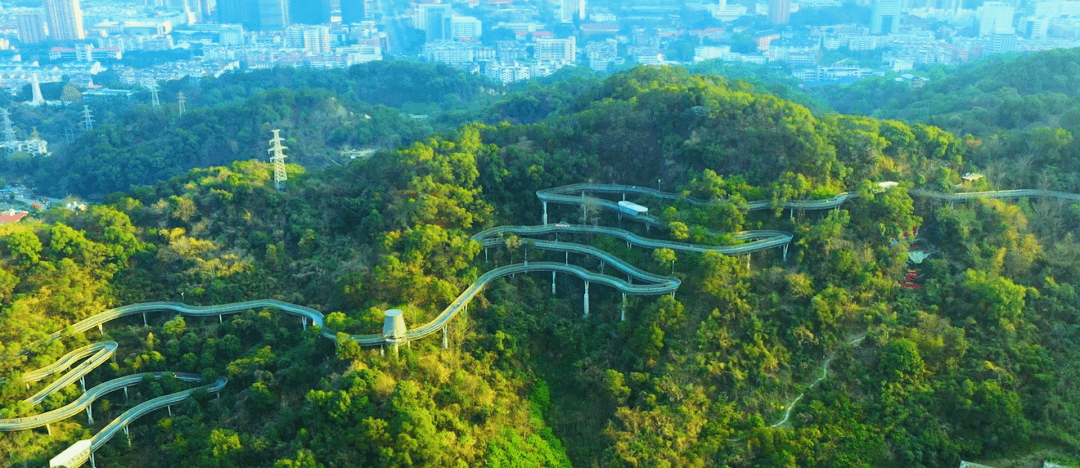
{"points": [[975, 364], [325, 114], [1024, 110]]}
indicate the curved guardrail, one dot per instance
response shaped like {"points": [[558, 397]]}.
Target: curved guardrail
{"points": [[98, 352], [129, 416], [566, 195], [1017, 193], [85, 400]]}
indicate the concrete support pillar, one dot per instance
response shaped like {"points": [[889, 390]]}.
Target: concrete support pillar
{"points": [[586, 299], [220, 319], [93, 464], [445, 339], [791, 214], [553, 283], [394, 328], [82, 383], [747, 261], [90, 414], [545, 213], [485, 254], [785, 252], [100, 329], [601, 267], [48, 428], [303, 321], [566, 257], [144, 320], [128, 435], [125, 393], [622, 308]]}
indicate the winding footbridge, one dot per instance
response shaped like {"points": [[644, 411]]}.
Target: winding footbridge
{"points": [[638, 282]]}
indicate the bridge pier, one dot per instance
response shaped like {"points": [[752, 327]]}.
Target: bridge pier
{"points": [[303, 320], [748, 262], [394, 328], [82, 383], [445, 339], [144, 320], [552, 283], [100, 329], [586, 299], [219, 319], [622, 308], [128, 435], [785, 252], [170, 410], [89, 414], [485, 254], [48, 428], [601, 267], [125, 393], [545, 213], [93, 464]]}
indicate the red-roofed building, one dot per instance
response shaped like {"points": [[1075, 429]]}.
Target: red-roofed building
{"points": [[12, 216]]}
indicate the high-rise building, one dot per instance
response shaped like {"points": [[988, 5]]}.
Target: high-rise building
{"points": [[556, 50], [65, 20], [31, 27], [465, 27], [352, 11], [435, 19], [568, 9], [1003, 41], [312, 38], [885, 17], [309, 11], [995, 17], [779, 11], [235, 12], [231, 35], [273, 14]]}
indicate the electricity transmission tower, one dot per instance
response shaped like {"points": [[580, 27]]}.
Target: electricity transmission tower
{"points": [[153, 93], [88, 117], [278, 159], [180, 101], [9, 132]]}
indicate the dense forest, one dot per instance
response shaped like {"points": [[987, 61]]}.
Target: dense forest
{"points": [[975, 364]]}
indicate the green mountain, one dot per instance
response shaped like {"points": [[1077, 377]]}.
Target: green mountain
{"points": [[819, 357]]}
